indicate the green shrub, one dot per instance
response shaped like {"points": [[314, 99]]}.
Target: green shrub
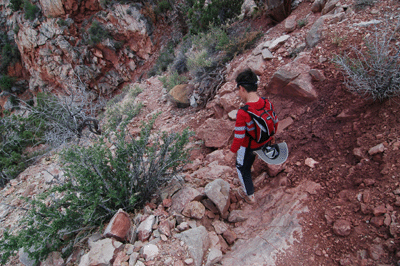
{"points": [[9, 53], [16, 134], [62, 23], [16, 5], [215, 47], [162, 7], [100, 182], [218, 12], [97, 33], [6, 83], [165, 58], [170, 81], [302, 22], [31, 10], [373, 72]]}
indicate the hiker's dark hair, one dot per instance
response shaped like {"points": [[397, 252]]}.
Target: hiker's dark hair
{"points": [[248, 79]]}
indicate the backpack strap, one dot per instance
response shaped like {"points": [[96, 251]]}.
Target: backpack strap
{"points": [[246, 109]]}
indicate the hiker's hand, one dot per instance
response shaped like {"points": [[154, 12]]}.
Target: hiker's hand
{"points": [[272, 140]]}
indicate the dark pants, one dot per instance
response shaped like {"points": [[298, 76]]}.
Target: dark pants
{"points": [[244, 160]]}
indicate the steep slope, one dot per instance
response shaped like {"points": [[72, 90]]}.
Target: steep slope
{"points": [[335, 202]]}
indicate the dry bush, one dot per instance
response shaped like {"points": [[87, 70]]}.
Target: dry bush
{"points": [[375, 71]]}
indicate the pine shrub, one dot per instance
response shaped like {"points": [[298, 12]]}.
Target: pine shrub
{"points": [[99, 182]]}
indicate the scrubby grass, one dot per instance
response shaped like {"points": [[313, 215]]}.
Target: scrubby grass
{"points": [[119, 114]]}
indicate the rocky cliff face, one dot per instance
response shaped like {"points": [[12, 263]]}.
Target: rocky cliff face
{"points": [[57, 51]]}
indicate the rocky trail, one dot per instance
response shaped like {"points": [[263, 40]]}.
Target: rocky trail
{"points": [[336, 201]]}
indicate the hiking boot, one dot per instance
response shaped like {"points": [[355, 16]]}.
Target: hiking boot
{"points": [[250, 199]]}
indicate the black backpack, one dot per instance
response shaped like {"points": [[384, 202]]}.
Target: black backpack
{"points": [[264, 119]]}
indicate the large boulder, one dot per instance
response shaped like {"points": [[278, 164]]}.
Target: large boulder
{"points": [[248, 8], [314, 35], [183, 197], [293, 80], [318, 5], [216, 133], [180, 95], [218, 192], [101, 253], [278, 10], [198, 242]]}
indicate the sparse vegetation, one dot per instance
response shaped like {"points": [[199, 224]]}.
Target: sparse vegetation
{"points": [[62, 23], [374, 72], [16, 134], [118, 115], [162, 7], [66, 118], [215, 47], [337, 39]]}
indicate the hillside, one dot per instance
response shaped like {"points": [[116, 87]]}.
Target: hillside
{"points": [[336, 201]]}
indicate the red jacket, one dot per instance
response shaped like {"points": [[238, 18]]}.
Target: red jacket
{"points": [[244, 124]]}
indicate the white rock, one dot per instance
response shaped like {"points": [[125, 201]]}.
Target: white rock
{"points": [[189, 261], [310, 162], [275, 43], [377, 149], [214, 256], [133, 258], [150, 251]]}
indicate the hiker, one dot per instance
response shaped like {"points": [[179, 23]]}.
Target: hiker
{"points": [[245, 142]]}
